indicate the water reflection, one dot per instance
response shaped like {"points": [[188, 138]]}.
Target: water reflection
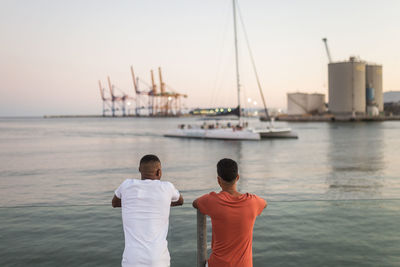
{"points": [[356, 156]]}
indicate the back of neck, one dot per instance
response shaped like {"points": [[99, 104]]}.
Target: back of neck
{"points": [[231, 191], [149, 178]]}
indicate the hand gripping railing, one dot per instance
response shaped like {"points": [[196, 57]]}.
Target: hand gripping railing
{"points": [[201, 239]]}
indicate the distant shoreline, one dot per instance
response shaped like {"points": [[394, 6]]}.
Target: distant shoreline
{"points": [[279, 118], [299, 119], [101, 116], [72, 116], [336, 118]]}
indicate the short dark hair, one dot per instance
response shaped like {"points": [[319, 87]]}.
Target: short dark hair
{"points": [[149, 158], [227, 169]]}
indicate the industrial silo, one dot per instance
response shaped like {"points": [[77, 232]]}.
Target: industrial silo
{"points": [[316, 103], [297, 103], [373, 82], [303, 103], [347, 87]]}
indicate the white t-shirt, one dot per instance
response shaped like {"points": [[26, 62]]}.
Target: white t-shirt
{"points": [[145, 217]]}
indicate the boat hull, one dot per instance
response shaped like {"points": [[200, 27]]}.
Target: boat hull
{"points": [[271, 133], [221, 134]]}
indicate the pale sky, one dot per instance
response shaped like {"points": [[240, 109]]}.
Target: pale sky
{"points": [[53, 52]]}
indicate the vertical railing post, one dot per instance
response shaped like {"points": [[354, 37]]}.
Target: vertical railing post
{"points": [[201, 239]]}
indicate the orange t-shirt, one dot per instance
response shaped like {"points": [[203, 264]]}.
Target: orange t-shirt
{"points": [[232, 221]]}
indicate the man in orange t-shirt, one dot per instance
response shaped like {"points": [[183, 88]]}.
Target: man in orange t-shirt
{"points": [[232, 216]]}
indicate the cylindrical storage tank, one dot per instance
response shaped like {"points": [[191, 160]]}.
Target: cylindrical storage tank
{"points": [[373, 79], [347, 87], [372, 111], [297, 103], [316, 103]]}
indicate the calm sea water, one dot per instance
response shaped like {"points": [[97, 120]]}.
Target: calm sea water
{"points": [[334, 193]]}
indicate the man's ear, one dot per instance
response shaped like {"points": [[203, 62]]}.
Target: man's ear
{"points": [[219, 180], [237, 178], [158, 173]]}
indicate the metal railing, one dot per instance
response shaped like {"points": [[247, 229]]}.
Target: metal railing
{"points": [[33, 231], [201, 239]]}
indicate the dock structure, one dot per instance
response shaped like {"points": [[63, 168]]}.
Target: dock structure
{"points": [[335, 118], [151, 100]]}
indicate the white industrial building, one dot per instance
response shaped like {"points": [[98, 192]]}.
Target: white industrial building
{"points": [[303, 103]]}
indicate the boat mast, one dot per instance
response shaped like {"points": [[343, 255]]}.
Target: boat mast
{"points": [[236, 57]]}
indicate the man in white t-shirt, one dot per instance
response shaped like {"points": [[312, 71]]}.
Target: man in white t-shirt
{"points": [[145, 215]]}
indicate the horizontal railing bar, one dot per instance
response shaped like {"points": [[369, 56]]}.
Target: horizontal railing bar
{"points": [[190, 204]]}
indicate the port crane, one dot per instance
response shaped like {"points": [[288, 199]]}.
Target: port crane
{"points": [[118, 102], [106, 101], [166, 102], [327, 49], [141, 94], [159, 100]]}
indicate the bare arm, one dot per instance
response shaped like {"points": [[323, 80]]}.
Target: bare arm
{"points": [[194, 204], [177, 203], [116, 202], [262, 207]]}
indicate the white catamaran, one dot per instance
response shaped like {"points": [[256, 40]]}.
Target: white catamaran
{"points": [[233, 131]]}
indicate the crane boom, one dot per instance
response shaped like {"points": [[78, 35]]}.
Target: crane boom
{"points": [[327, 49], [110, 87], [153, 84], [162, 85], [101, 91], [134, 81]]}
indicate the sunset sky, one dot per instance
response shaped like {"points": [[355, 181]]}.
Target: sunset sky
{"points": [[54, 52]]}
